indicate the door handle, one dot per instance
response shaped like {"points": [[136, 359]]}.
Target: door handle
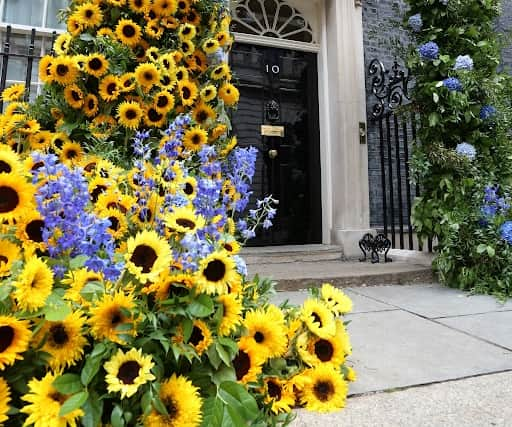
{"points": [[272, 154]]}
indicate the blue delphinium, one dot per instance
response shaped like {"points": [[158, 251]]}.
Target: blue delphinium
{"points": [[416, 23], [506, 232], [487, 112], [453, 84], [463, 62], [429, 51], [467, 150]]}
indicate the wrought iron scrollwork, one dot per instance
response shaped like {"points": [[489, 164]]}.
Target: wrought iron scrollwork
{"points": [[373, 246], [390, 87]]}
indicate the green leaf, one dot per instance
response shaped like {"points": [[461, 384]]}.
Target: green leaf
{"points": [[237, 397], [223, 354], [201, 306], [5, 291], [213, 356], [145, 402], [435, 97], [213, 412], [490, 251], [74, 402], [68, 384], [159, 406], [226, 373], [116, 417], [78, 262], [93, 408], [188, 327], [56, 309], [86, 37], [90, 369], [481, 248]]}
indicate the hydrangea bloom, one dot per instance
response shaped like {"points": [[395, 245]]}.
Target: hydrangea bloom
{"points": [[487, 112], [453, 84], [463, 62], [466, 150], [415, 22], [429, 50], [506, 232]]}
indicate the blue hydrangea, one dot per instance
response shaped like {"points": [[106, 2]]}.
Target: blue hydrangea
{"points": [[429, 51], [453, 84], [463, 62], [416, 23], [487, 112], [506, 232], [466, 150]]}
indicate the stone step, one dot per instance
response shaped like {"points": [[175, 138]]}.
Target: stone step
{"points": [[292, 253]]}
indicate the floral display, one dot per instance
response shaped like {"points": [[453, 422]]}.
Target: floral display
{"points": [[123, 198]]}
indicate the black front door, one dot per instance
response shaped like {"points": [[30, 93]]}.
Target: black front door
{"points": [[278, 114]]}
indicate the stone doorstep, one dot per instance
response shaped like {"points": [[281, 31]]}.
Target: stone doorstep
{"points": [[292, 253]]}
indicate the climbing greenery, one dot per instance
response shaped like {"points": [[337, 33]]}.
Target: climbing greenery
{"points": [[463, 156]]}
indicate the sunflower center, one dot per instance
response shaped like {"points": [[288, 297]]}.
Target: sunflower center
{"points": [[90, 167], [97, 191], [9, 199], [111, 88], [187, 223], [114, 223], [259, 337], [202, 116], [95, 64], [75, 95], [184, 47], [71, 154], [5, 167], [242, 364], [215, 270], [6, 337], [154, 115], [149, 76], [128, 31], [36, 166], [116, 205], [166, 80], [228, 247], [91, 104], [3, 259], [323, 390], [138, 3], [59, 335], [186, 93], [34, 230], [131, 114], [274, 390], [172, 410], [196, 139], [57, 397], [144, 256], [116, 318], [317, 318], [163, 101], [128, 371], [189, 189], [62, 69], [324, 350], [197, 336], [89, 13]]}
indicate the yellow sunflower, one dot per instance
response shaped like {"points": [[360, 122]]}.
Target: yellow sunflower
{"points": [[154, 118], [153, 30], [97, 186], [33, 285], [216, 272], [45, 74], [202, 113], [88, 15], [182, 73], [164, 102], [40, 140], [74, 26], [210, 46], [5, 398], [223, 38], [167, 62], [74, 96], [91, 105], [16, 197], [184, 7], [128, 32], [64, 70], [126, 372], [324, 389], [63, 341], [248, 364], [61, 43], [147, 75], [109, 88], [187, 91], [14, 92], [127, 82], [208, 93], [147, 255], [318, 318], [14, 339], [187, 47], [182, 401], [335, 299], [115, 200], [197, 61], [279, 394], [29, 230], [195, 138], [9, 252], [10, 162], [129, 114], [231, 246], [71, 153], [190, 187], [193, 17], [231, 314], [118, 223], [96, 64], [44, 404], [201, 337], [165, 7], [184, 220], [139, 6], [220, 71], [108, 314], [229, 94], [170, 286], [146, 214]]}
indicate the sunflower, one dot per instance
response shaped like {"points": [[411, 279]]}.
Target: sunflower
{"points": [[29, 230], [154, 118], [126, 372], [184, 220], [74, 96], [16, 197], [220, 71], [167, 62], [351, 375], [184, 7], [128, 32], [88, 15], [127, 82], [108, 314], [64, 70], [164, 102], [109, 88], [29, 127], [91, 105], [190, 187], [147, 255], [45, 404], [266, 332], [105, 32], [170, 22], [318, 318], [118, 223], [61, 43], [210, 46], [145, 215], [231, 313], [172, 285], [165, 7], [10, 162], [197, 61], [14, 92], [115, 200], [63, 341], [208, 93], [96, 64], [193, 17], [5, 398], [188, 92], [14, 339], [216, 272], [34, 284], [45, 74], [231, 246], [195, 138], [74, 26], [324, 389], [182, 401], [139, 6], [154, 30], [279, 394], [9, 252], [129, 114], [202, 113], [316, 351], [201, 337], [248, 364], [229, 94], [223, 38], [139, 50], [336, 300], [182, 74], [71, 153], [147, 75], [187, 47]]}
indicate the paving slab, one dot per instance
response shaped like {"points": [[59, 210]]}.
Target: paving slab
{"points": [[494, 327], [434, 300], [473, 402], [398, 349]]}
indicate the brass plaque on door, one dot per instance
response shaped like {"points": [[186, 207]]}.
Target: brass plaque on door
{"points": [[268, 130]]}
